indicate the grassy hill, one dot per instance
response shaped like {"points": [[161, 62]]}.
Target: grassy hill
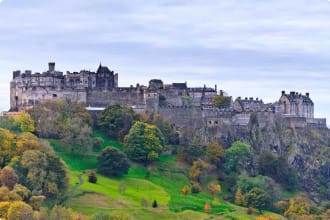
{"points": [[134, 193]]}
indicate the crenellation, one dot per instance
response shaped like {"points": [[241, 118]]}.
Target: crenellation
{"points": [[184, 106]]}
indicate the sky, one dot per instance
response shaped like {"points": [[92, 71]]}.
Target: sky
{"points": [[249, 48]]}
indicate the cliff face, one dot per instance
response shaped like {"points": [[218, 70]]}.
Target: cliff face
{"points": [[307, 150]]}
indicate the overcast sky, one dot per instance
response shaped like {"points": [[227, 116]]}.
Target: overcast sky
{"points": [[251, 48]]}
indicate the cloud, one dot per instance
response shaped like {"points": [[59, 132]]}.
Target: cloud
{"points": [[248, 47]]}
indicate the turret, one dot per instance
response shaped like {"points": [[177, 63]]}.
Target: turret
{"points": [[51, 66]]}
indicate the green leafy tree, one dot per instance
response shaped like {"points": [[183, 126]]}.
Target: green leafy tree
{"points": [[116, 121], [144, 142], [257, 198], [112, 162], [238, 157]]}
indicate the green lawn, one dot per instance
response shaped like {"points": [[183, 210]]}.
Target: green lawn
{"points": [[134, 193]]}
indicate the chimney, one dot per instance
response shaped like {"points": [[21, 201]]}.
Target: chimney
{"points": [[283, 92], [51, 66], [307, 94]]}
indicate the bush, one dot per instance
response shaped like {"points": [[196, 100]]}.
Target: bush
{"points": [[249, 211], [185, 190], [154, 204], [112, 162], [196, 187], [98, 142], [92, 177]]}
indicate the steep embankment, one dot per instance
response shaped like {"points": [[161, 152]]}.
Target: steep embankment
{"points": [[305, 149]]}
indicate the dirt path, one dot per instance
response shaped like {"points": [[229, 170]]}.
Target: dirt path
{"points": [[70, 193]]}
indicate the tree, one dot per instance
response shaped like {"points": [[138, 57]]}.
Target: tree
{"points": [[257, 198], [43, 173], [7, 146], [8, 177], [4, 206], [116, 121], [24, 122], [112, 162], [36, 201], [214, 152], [144, 142], [92, 177], [197, 169], [214, 188], [20, 210], [239, 198], [207, 207], [221, 101], [185, 190], [299, 206], [26, 141], [238, 157]]}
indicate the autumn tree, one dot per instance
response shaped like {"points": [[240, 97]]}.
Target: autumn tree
{"points": [[144, 142], [112, 162], [20, 210], [214, 152], [24, 122], [26, 141], [207, 207], [257, 198], [197, 169], [299, 206], [7, 146], [239, 198], [92, 177], [185, 190], [8, 177], [214, 188], [116, 121]]}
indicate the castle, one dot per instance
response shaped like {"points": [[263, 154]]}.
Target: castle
{"points": [[183, 105]]}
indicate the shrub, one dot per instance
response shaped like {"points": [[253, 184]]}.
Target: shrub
{"points": [[92, 177], [196, 187], [185, 190], [154, 204], [112, 162], [249, 211]]}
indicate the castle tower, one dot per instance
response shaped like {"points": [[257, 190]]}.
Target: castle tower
{"points": [[51, 66]]}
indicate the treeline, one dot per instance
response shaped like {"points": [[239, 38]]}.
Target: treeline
{"points": [[30, 172]]}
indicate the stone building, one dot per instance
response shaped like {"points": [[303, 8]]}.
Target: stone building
{"points": [[249, 105], [296, 104]]}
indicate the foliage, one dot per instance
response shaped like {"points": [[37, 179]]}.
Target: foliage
{"points": [[154, 204], [26, 141], [250, 211], [4, 206], [197, 169], [239, 198], [8, 177], [24, 122], [278, 168], [257, 198], [53, 116], [214, 152], [112, 162], [207, 207], [185, 190], [43, 173], [116, 121], [144, 142], [20, 210], [7, 146], [92, 177], [195, 187], [36, 201], [97, 142], [193, 152], [221, 101], [214, 188], [281, 206], [238, 157], [299, 205], [171, 136], [22, 191]]}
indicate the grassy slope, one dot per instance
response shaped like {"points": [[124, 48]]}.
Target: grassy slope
{"points": [[167, 177]]}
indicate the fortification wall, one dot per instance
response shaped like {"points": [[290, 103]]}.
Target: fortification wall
{"points": [[122, 96]]}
